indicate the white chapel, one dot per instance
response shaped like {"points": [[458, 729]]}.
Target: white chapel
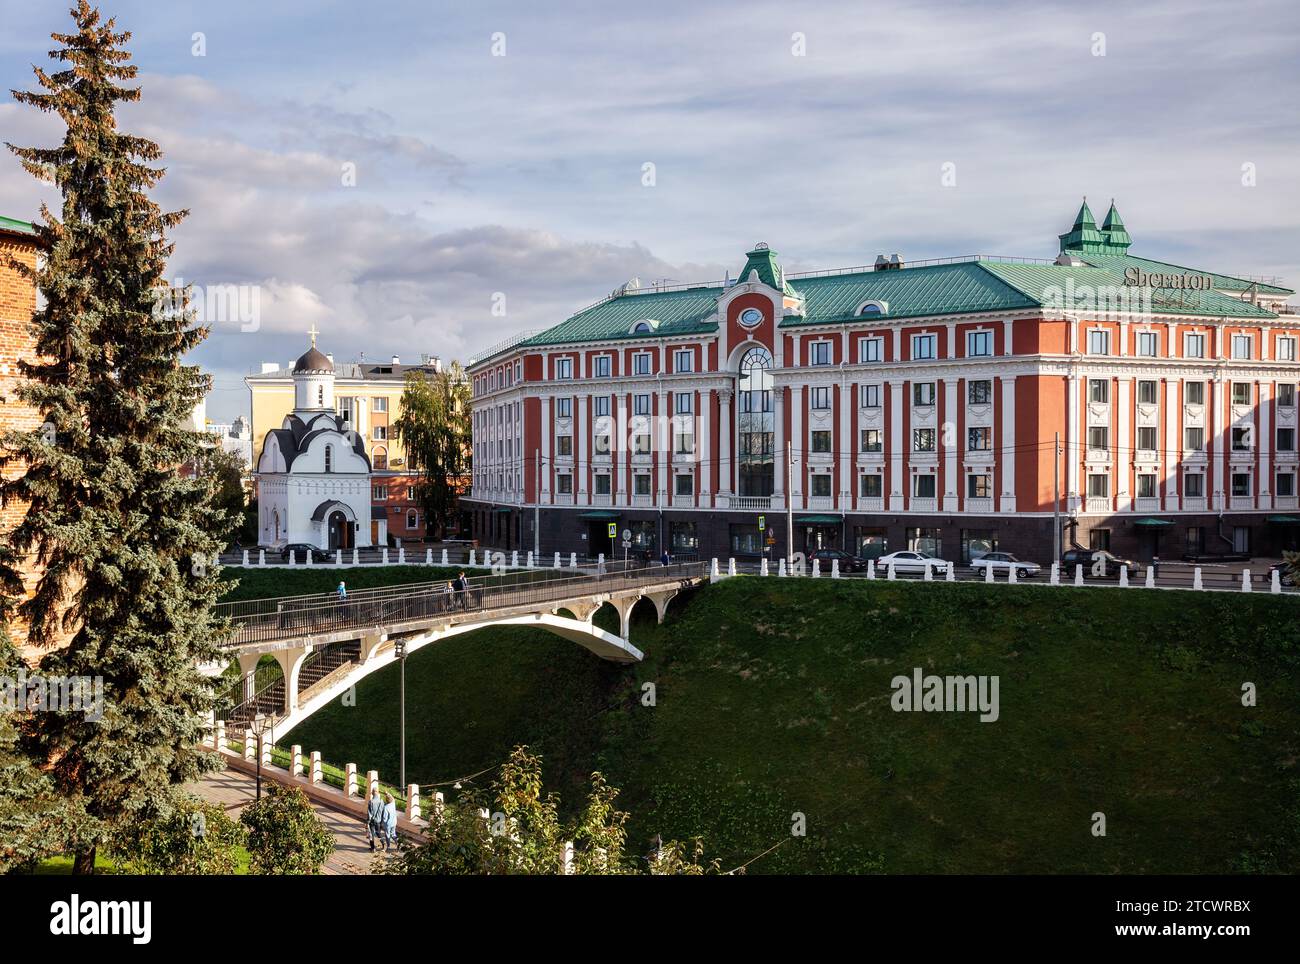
{"points": [[313, 475]]}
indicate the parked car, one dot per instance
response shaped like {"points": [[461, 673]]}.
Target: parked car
{"points": [[1002, 562], [1089, 557], [300, 551], [848, 562], [911, 561]]}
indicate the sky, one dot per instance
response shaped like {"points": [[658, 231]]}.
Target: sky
{"points": [[418, 178]]}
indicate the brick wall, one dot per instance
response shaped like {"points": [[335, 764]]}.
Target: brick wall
{"points": [[17, 302]]}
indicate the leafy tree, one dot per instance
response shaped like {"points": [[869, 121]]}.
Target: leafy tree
{"points": [[194, 837], [435, 431], [121, 537], [284, 834], [516, 830]]}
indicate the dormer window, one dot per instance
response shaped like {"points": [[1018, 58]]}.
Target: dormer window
{"points": [[645, 326], [873, 308]]}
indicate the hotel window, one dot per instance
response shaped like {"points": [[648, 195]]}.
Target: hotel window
{"points": [[379, 493], [641, 363], [821, 442], [979, 392], [641, 443], [1147, 392], [1098, 486], [871, 350], [1147, 438], [923, 393], [564, 484], [603, 366], [1194, 541], [1286, 395], [1194, 485], [1241, 393], [564, 446], [1241, 483], [979, 343], [871, 440], [601, 444], [1241, 439], [601, 481], [923, 347], [1194, 346], [1099, 540], [1285, 484], [923, 486], [1194, 393], [871, 486], [564, 408], [979, 439], [640, 404], [683, 443], [682, 402], [519, 371], [683, 484], [979, 486], [820, 353], [641, 484], [564, 368], [1098, 341], [1241, 346], [870, 396], [1146, 486], [1148, 344], [1285, 349], [821, 397], [379, 404], [682, 537], [1286, 440], [1195, 441], [380, 433], [412, 519], [821, 485], [1098, 390], [683, 361], [923, 440], [600, 406], [1099, 438], [928, 540]]}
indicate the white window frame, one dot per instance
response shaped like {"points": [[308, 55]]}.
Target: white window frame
{"points": [[1237, 339], [642, 363], [1154, 337], [930, 341], [683, 361], [1104, 336], [821, 398], [1288, 343], [979, 335], [867, 347], [1199, 339], [606, 362], [564, 368], [820, 352], [871, 395]]}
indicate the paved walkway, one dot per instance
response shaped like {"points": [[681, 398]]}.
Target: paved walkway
{"points": [[234, 791]]}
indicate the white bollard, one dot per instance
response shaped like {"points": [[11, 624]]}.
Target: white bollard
{"points": [[762, 567], [356, 556], [338, 558], [1078, 574], [401, 555], [731, 567], [372, 782], [780, 566], [1275, 582], [1151, 577], [219, 736], [988, 573], [261, 557], [871, 569], [471, 557], [1123, 577], [265, 745], [573, 560], [428, 557], [928, 575], [835, 568], [435, 811], [1054, 578], [1012, 578], [245, 558], [889, 571], [566, 858], [412, 801], [309, 558], [514, 559], [1196, 578], [292, 558], [530, 558], [384, 557], [557, 561], [1245, 580], [950, 573], [295, 766], [350, 780], [817, 568], [444, 557], [713, 570], [316, 774]]}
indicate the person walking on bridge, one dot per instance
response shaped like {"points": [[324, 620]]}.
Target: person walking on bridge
{"points": [[375, 819], [390, 822], [342, 590]]}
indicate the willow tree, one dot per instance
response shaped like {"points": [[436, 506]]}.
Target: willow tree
{"points": [[434, 429], [120, 538]]}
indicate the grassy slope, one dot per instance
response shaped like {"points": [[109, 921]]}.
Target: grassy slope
{"points": [[773, 697], [261, 583]]}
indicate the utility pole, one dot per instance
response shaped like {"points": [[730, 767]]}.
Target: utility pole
{"points": [[400, 650], [1056, 497], [789, 507], [537, 512]]}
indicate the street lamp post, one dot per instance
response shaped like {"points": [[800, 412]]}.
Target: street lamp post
{"points": [[261, 727], [399, 647]]}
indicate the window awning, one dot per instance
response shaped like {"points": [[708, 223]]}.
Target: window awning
{"points": [[1284, 520], [603, 516], [502, 508], [818, 520], [1153, 522]]}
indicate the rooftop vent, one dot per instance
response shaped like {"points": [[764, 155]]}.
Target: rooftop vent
{"points": [[892, 263], [396, 360]]}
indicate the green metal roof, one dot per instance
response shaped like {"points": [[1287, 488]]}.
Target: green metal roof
{"points": [[677, 312], [16, 226], [1284, 520], [1224, 282], [1152, 522], [819, 519], [602, 516], [762, 262]]}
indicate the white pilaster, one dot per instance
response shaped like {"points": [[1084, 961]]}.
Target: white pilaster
{"points": [[800, 446], [1123, 451], [951, 446], [1173, 444], [725, 428], [897, 484], [1007, 445]]}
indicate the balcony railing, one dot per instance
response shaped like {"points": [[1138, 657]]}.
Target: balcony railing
{"points": [[643, 501], [823, 502], [751, 502], [683, 501], [1240, 502], [871, 504], [1146, 504], [1285, 502], [924, 504], [979, 503], [1098, 503], [1194, 503], [605, 499]]}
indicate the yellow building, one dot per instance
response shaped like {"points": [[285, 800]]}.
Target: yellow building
{"points": [[368, 395]]}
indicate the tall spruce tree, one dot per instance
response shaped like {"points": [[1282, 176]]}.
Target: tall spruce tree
{"points": [[435, 432], [121, 536]]}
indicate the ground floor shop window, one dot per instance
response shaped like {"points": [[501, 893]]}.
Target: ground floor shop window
{"points": [[643, 534], [870, 543], [1195, 540], [1099, 540], [746, 540], [1241, 538], [976, 543], [926, 540], [820, 537], [683, 537]]}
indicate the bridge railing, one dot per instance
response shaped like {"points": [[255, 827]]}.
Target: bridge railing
{"points": [[288, 617]]}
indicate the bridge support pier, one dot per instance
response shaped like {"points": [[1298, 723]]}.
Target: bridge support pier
{"points": [[584, 610], [624, 606], [248, 673], [370, 643], [291, 661], [661, 600]]}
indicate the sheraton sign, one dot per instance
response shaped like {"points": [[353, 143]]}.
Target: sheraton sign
{"points": [[1154, 279]]}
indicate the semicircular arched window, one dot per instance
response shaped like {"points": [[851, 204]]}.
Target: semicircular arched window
{"points": [[755, 422]]}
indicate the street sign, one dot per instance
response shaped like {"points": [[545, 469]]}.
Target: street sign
{"points": [[613, 530], [627, 543], [762, 522], [627, 535]]}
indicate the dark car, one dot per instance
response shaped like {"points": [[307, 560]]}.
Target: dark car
{"points": [[1088, 558], [300, 551], [848, 563]]}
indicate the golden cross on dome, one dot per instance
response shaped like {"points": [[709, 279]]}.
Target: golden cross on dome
{"points": [[313, 332]]}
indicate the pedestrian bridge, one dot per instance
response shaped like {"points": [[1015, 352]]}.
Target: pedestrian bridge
{"points": [[325, 644]]}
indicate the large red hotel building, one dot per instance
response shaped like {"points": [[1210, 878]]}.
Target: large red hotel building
{"points": [[903, 406]]}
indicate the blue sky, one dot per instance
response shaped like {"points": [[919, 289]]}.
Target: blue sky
{"points": [[522, 174]]}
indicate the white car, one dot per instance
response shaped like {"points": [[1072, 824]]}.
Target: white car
{"points": [[909, 561], [1001, 563]]}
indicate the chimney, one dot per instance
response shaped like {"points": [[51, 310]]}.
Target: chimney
{"points": [[881, 262], [396, 360], [269, 366]]}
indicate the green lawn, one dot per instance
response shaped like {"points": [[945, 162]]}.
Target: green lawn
{"points": [[773, 698], [264, 583]]}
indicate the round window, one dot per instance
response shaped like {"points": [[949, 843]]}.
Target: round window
{"points": [[751, 317]]}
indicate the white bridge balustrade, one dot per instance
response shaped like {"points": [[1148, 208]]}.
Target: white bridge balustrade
{"points": [[324, 644]]}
